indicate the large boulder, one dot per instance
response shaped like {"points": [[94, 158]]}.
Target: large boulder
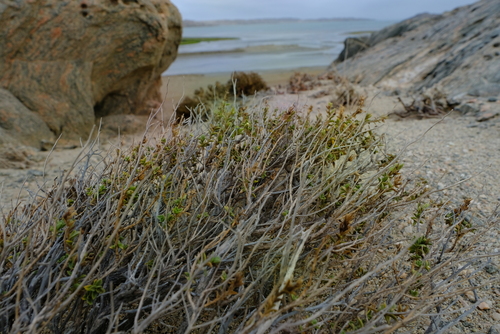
{"points": [[18, 125], [458, 51], [69, 61]]}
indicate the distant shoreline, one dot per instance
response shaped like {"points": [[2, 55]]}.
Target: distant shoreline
{"points": [[256, 49], [210, 23]]}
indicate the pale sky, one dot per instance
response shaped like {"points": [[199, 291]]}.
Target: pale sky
{"points": [[309, 9]]}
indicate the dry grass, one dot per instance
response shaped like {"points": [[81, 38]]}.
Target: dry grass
{"points": [[257, 221]]}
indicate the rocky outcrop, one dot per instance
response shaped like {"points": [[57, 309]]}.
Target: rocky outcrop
{"points": [[68, 62], [18, 125], [458, 51], [354, 45]]}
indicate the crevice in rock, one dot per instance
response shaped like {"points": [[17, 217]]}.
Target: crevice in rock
{"points": [[108, 105]]}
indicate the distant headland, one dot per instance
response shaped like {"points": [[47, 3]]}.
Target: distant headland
{"points": [[193, 23]]}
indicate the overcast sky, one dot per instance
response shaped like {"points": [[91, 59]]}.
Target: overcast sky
{"points": [[307, 9]]}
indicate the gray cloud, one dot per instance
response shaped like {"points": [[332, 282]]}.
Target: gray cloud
{"points": [[374, 9]]}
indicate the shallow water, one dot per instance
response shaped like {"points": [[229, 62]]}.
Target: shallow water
{"points": [[283, 45]]}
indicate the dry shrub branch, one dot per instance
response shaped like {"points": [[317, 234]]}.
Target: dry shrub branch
{"points": [[257, 221]]}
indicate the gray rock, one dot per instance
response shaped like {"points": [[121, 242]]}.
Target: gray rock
{"points": [[352, 46], [495, 329], [491, 269], [492, 99], [467, 109], [486, 116], [455, 51], [399, 29]]}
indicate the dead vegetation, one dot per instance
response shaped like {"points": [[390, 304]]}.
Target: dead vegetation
{"points": [[429, 103], [343, 92], [256, 221], [241, 84]]}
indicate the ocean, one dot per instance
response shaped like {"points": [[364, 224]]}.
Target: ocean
{"points": [[267, 46]]}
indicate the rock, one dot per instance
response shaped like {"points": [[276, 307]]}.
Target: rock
{"points": [[408, 230], [69, 62], [16, 157], [492, 99], [491, 269], [470, 296], [467, 109], [19, 125], [495, 316], [495, 329], [484, 306], [352, 46], [485, 116], [455, 50], [47, 145], [399, 29]]}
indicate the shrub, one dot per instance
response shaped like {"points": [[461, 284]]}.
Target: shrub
{"points": [[255, 221], [299, 82], [241, 84], [344, 93], [431, 102], [246, 84]]}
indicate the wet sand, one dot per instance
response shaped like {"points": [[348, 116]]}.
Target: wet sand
{"points": [[176, 86]]}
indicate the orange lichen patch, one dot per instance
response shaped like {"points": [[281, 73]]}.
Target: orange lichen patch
{"points": [[63, 80], [38, 67], [131, 55], [56, 33], [39, 24], [149, 46]]}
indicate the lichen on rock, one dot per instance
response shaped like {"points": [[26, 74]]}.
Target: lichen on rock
{"points": [[69, 62]]}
